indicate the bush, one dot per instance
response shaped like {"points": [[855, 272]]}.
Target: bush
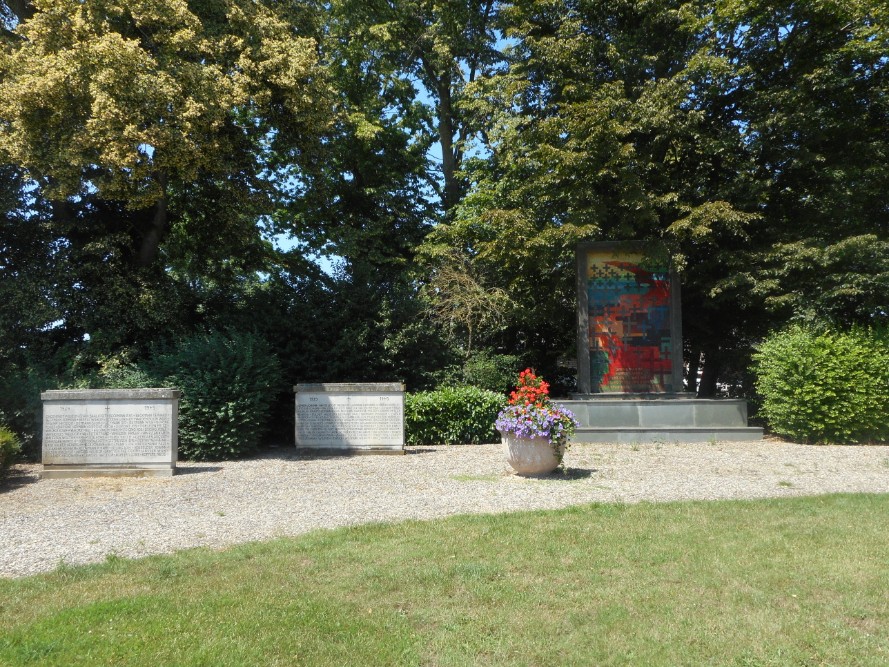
{"points": [[482, 369], [494, 372], [228, 384], [21, 407], [452, 415], [10, 446], [121, 373], [825, 387]]}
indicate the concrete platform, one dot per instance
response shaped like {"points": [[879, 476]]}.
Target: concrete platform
{"points": [[68, 471], [642, 435], [673, 418], [349, 451]]}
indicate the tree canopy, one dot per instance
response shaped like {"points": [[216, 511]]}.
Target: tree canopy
{"points": [[174, 167]]}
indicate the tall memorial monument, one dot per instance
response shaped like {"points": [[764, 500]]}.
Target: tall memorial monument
{"points": [[629, 320], [629, 354]]}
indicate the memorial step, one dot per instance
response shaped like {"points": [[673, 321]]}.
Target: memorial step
{"points": [[630, 435], [658, 413]]}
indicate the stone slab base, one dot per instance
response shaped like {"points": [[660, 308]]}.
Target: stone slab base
{"points": [[69, 471], [673, 418], [627, 435], [341, 451], [655, 414], [614, 396]]}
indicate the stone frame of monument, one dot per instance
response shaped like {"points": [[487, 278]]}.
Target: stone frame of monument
{"points": [[349, 418], [110, 432], [629, 320]]}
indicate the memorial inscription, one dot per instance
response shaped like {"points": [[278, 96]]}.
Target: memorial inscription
{"points": [[96, 436], [350, 417]]}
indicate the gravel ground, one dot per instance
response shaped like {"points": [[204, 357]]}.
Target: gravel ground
{"points": [[44, 523]]}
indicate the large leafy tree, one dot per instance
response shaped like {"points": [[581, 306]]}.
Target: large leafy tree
{"points": [[430, 49], [717, 128], [132, 100], [810, 83], [153, 132]]}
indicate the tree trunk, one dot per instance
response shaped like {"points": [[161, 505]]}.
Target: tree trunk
{"points": [[694, 365], [446, 132], [22, 9], [157, 228], [712, 366]]}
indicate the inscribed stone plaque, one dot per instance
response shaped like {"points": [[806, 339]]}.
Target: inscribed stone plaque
{"points": [[629, 338], [350, 416], [115, 428]]}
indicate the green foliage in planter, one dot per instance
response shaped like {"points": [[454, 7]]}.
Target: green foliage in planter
{"points": [[827, 387], [451, 416], [228, 384], [10, 446]]}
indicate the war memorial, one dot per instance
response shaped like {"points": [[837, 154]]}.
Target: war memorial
{"points": [[629, 354]]}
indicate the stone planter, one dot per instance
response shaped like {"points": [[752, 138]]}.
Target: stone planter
{"points": [[530, 456]]}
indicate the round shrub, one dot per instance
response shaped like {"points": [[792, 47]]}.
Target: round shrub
{"points": [[228, 384], [10, 446], [452, 416], [825, 387]]}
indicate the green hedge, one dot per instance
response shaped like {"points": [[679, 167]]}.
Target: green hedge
{"points": [[825, 387], [10, 446], [228, 383], [451, 416]]}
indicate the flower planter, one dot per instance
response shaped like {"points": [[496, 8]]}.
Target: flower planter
{"points": [[530, 456]]}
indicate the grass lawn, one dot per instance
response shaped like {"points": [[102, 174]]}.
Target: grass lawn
{"points": [[778, 582]]}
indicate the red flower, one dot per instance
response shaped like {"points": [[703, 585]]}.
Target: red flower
{"points": [[531, 390]]}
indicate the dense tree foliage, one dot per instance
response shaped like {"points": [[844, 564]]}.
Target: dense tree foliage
{"points": [[749, 136], [442, 158]]}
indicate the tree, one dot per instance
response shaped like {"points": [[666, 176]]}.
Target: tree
{"points": [[132, 101], [442, 45], [676, 121], [811, 83], [460, 301]]}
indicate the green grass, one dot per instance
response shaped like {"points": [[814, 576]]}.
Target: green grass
{"points": [[778, 582], [476, 478]]}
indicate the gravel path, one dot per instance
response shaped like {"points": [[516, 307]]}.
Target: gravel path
{"points": [[46, 522]]}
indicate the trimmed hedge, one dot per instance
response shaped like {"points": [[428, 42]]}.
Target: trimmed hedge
{"points": [[825, 387], [452, 416], [10, 447], [228, 384]]}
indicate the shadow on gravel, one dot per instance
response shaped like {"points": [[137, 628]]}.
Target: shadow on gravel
{"points": [[567, 475], [576, 473], [17, 477], [196, 470]]}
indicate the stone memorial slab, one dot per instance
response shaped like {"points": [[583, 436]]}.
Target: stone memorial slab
{"points": [[352, 418], [110, 432]]}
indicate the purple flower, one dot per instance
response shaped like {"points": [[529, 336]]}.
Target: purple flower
{"points": [[534, 421]]}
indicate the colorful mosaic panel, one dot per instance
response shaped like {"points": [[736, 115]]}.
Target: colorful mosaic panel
{"points": [[630, 342]]}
